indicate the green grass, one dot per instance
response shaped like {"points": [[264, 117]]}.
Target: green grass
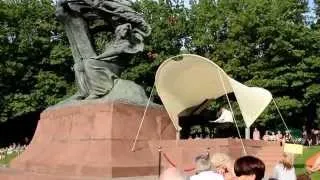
{"points": [[301, 159], [6, 161]]}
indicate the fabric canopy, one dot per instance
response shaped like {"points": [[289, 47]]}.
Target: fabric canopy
{"points": [[187, 80]]}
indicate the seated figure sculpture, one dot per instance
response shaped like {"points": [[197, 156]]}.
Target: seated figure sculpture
{"points": [[96, 74], [103, 69]]}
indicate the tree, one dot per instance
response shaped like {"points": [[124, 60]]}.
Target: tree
{"points": [[257, 42], [266, 44], [169, 27], [35, 59]]}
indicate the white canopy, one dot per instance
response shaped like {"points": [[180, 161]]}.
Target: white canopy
{"points": [[188, 80]]}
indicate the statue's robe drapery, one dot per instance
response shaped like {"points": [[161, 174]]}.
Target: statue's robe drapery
{"points": [[95, 76]]}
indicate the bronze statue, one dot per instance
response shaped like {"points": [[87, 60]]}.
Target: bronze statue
{"points": [[96, 74]]}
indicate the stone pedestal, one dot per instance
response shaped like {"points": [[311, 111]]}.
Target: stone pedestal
{"points": [[95, 140]]}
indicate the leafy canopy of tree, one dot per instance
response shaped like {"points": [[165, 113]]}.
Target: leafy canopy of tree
{"points": [[260, 43], [34, 60]]}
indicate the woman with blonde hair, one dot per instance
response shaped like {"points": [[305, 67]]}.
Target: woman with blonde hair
{"points": [[284, 170], [203, 169], [223, 164]]}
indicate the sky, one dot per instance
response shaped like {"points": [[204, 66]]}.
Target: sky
{"points": [[311, 3], [311, 14]]}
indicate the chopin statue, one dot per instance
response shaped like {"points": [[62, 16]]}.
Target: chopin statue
{"points": [[97, 74]]}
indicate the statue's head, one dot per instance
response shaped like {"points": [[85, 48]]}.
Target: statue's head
{"points": [[122, 30], [60, 9]]}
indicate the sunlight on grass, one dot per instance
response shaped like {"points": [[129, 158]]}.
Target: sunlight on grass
{"points": [[6, 161]]}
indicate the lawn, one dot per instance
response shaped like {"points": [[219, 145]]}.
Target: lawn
{"points": [[6, 161], [300, 161]]}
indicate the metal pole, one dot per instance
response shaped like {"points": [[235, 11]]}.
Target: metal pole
{"points": [[159, 161], [247, 132]]}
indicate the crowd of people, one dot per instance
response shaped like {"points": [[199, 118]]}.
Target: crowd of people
{"points": [[311, 138], [13, 148], [272, 136], [220, 166]]}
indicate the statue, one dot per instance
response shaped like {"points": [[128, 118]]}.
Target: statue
{"points": [[96, 74]]}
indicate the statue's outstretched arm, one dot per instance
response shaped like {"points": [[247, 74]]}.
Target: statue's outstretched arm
{"points": [[111, 51]]}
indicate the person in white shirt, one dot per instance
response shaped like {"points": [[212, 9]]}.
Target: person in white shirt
{"points": [[172, 174], [284, 170], [203, 169], [224, 123], [226, 116]]}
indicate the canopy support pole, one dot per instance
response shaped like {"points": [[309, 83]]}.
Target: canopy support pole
{"points": [[247, 132], [177, 135], [284, 123], [281, 117], [234, 120], [142, 119]]}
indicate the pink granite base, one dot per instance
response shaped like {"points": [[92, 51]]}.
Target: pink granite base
{"points": [[94, 141]]}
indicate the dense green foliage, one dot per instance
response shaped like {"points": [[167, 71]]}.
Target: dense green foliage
{"points": [[34, 63], [261, 43], [258, 42]]}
